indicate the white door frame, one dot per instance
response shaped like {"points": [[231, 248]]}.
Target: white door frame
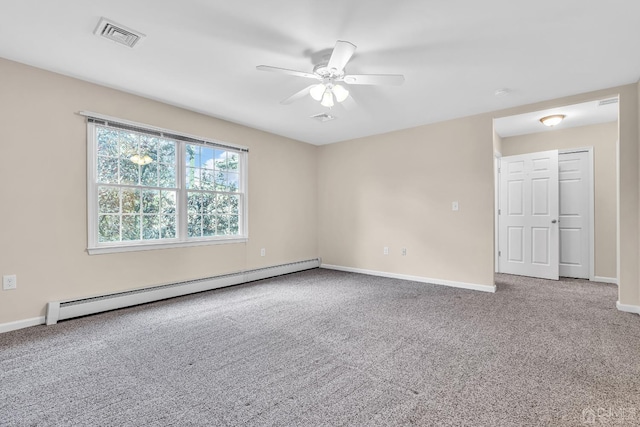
{"points": [[496, 165], [496, 206]]}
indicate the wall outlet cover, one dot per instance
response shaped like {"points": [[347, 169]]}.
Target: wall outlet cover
{"points": [[9, 282]]}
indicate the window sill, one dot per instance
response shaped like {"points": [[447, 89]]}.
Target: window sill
{"points": [[166, 245]]}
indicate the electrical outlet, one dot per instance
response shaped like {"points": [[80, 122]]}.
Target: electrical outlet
{"points": [[385, 250], [454, 206], [263, 252], [404, 251], [9, 282]]}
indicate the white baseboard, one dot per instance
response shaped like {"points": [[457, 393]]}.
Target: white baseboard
{"points": [[19, 324], [628, 308], [450, 283], [601, 279]]}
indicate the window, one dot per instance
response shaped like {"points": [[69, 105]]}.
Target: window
{"points": [[151, 188]]}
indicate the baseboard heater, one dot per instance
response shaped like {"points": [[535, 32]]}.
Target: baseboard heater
{"points": [[62, 310]]}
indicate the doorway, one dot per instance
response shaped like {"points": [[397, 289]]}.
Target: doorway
{"points": [[586, 227], [544, 214]]}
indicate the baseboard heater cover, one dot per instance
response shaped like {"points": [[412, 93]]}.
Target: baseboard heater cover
{"points": [[62, 310]]}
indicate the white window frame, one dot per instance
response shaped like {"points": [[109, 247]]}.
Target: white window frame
{"points": [[182, 240]]}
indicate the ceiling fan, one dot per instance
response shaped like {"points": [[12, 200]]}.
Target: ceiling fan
{"points": [[330, 74]]}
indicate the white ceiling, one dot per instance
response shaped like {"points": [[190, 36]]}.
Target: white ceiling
{"points": [[583, 114], [202, 54]]}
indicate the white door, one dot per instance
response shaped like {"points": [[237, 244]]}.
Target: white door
{"points": [[574, 214], [528, 215]]}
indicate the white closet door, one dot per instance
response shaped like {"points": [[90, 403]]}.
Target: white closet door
{"points": [[574, 214], [528, 215]]}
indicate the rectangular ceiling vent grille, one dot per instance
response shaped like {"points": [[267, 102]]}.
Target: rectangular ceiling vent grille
{"points": [[117, 33], [608, 101], [324, 117]]}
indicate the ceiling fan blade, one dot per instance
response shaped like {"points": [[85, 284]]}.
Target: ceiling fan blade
{"points": [[342, 53], [297, 95], [286, 71], [374, 79]]}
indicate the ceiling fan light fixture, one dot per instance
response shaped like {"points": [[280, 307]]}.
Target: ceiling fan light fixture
{"points": [[140, 159], [317, 91], [327, 99], [340, 93], [552, 120]]}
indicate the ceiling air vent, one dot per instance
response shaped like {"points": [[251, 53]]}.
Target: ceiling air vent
{"points": [[324, 117], [117, 33], [607, 102]]}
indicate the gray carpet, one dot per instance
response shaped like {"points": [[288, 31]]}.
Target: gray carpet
{"points": [[330, 348]]}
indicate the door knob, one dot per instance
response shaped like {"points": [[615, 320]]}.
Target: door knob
{"points": [[553, 221]]}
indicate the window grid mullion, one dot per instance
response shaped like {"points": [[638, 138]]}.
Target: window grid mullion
{"points": [[137, 187], [141, 218], [181, 208], [120, 211]]}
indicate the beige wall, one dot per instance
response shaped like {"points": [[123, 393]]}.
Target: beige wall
{"points": [[629, 256], [396, 190], [497, 142], [43, 228], [603, 138]]}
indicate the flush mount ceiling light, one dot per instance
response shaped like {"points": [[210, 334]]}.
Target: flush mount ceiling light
{"points": [[552, 120]]}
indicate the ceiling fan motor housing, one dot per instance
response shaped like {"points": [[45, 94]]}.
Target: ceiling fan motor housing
{"points": [[325, 72]]}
